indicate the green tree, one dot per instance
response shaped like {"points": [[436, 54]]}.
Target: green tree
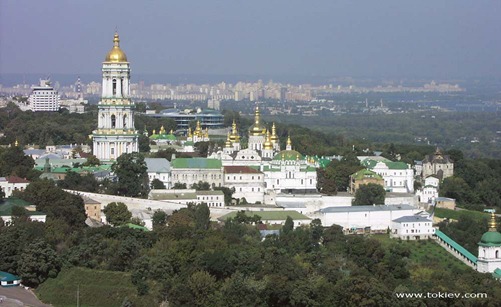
{"points": [[157, 184], [228, 194], [117, 214], [14, 162], [201, 186], [75, 181], [159, 218], [131, 171], [92, 161], [165, 153], [288, 225], [55, 202], [369, 194], [179, 186], [202, 217], [37, 263], [144, 143], [2, 195]]}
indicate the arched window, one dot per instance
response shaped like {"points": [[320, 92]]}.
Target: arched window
{"points": [[497, 254], [114, 86], [125, 120], [113, 121]]}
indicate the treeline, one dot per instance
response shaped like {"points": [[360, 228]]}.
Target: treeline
{"points": [[444, 129], [475, 184]]}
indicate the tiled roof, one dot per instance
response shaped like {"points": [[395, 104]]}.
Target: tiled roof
{"points": [[15, 179], [240, 170], [365, 173], [412, 219]]}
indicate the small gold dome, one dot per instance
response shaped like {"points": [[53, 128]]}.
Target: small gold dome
{"points": [[116, 54]]}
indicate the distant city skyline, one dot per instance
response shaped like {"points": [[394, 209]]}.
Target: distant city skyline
{"points": [[425, 39]]}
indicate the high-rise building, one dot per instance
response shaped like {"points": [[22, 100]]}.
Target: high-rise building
{"points": [[44, 98], [115, 134]]}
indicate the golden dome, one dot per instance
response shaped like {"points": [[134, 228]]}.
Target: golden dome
{"points": [[116, 54], [257, 129], [228, 142], [268, 145], [234, 137]]}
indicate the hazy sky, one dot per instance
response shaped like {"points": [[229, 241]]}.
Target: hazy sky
{"points": [[425, 38]]}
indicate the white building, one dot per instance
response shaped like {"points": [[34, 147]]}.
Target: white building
{"points": [[44, 98], [398, 176], [186, 196], [115, 132], [159, 168], [194, 170], [247, 182], [429, 192], [413, 227], [211, 198], [12, 183], [356, 219]]}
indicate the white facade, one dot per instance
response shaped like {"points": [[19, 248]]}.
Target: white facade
{"points": [[398, 176], [413, 227], [247, 182], [489, 258], [44, 98], [115, 134], [377, 218], [211, 198], [12, 183], [159, 168]]}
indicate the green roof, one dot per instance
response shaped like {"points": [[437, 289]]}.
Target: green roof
{"points": [[490, 238], [497, 273], [197, 163], [456, 246], [370, 164], [4, 276], [396, 165], [8, 203], [269, 215], [134, 226], [365, 173], [288, 155]]}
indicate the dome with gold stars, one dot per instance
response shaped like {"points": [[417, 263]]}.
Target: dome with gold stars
{"points": [[116, 54]]}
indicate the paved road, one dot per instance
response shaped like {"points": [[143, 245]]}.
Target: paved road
{"points": [[20, 294]]}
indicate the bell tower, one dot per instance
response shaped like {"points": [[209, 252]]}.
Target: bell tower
{"points": [[115, 134]]}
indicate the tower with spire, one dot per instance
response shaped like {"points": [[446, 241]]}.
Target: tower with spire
{"points": [[489, 249], [115, 133], [257, 132]]}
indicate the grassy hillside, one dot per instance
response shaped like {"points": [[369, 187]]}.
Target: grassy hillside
{"points": [[455, 214], [97, 288]]}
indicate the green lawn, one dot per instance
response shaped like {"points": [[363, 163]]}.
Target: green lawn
{"points": [[455, 214], [97, 288]]}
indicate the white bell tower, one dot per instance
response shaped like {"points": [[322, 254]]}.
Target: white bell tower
{"points": [[115, 134]]}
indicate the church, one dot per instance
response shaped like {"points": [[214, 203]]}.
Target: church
{"points": [[286, 171], [115, 133]]}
